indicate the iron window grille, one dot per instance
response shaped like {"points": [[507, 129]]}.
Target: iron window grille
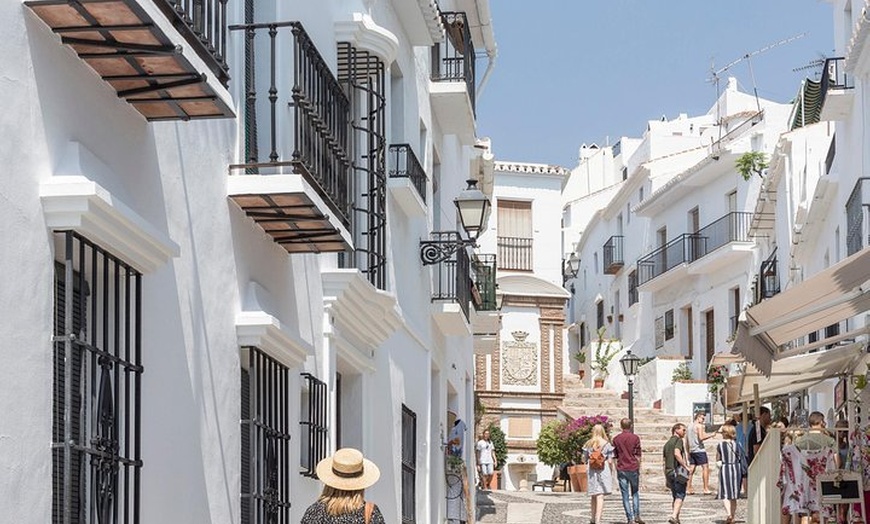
{"points": [[265, 436], [361, 74], [632, 288], [612, 251], [315, 432], [320, 123], [96, 419], [669, 324], [409, 465], [857, 222]]}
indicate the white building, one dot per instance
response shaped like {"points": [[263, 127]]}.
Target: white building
{"points": [[519, 381], [665, 261], [214, 218]]}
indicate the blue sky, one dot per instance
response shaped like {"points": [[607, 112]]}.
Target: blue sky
{"points": [[575, 71]]}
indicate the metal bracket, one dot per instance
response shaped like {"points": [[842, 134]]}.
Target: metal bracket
{"points": [[435, 251]]}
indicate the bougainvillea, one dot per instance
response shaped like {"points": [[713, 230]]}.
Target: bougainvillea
{"points": [[562, 441], [716, 376]]}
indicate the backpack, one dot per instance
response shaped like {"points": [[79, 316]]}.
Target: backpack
{"points": [[596, 459]]}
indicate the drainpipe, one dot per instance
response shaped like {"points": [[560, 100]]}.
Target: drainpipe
{"points": [[484, 17]]}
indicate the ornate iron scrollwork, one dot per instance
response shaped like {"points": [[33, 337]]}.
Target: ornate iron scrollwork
{"points": [[106, 443], [435, 251]]}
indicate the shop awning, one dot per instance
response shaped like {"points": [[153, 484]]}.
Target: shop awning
{"points": [[796, 373], [842, 291]]}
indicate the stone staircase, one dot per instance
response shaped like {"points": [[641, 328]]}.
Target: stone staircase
{"points": [[651, 425]]}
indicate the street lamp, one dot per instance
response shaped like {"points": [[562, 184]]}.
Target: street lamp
{"points": [[630, 362], [473, 207], [570, 267]]}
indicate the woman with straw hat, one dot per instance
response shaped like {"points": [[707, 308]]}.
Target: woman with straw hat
{"points": [[345, 476]]}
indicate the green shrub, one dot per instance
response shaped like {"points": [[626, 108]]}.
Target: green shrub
{"points": [[682, 373], [498, 442]]}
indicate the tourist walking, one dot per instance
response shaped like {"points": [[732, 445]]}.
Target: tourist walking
{"points": [[627, 451], [676, 470], [485, 459], [757, 432], [598, 454], [731, 471], [696, 434], [345, 476]]}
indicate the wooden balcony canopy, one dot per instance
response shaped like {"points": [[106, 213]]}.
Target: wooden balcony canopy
{"points": [[121, 42]]}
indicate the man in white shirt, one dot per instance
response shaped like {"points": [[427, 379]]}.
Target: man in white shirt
{"points": [[485, 459]]}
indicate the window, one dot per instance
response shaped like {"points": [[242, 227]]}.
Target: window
{"points": [[731, 201], [515, 234], [628, 213], [640, 194], [632, 288], [313, 419], [265, 436], [669, 324], [97, 319], [583, 334], [409, 465], [599, 314]]}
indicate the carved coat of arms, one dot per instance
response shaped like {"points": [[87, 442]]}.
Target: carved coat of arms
{"points": [[520, 361]]}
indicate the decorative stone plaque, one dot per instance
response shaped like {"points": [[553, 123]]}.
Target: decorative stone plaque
{"points": [[520, 361]]}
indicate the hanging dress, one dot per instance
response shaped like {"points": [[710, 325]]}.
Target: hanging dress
{"points": [[731, 471]]}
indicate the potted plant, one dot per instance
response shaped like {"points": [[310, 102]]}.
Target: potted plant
{"points": [[604, 354], [716, 377], [751, 163], [580, 357], [681, 373], [561, 442], [497, 436]]}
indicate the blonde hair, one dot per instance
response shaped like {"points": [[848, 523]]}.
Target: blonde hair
{"points": [[728, 432], [341, 502], [599, 436]]}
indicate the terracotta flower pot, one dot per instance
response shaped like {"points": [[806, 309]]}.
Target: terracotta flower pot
{"points": [[599, 382], [493, 483], [582, 373], [577, 474]]}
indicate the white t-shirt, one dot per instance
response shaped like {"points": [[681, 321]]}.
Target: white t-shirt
{"points": [[485, 451]]}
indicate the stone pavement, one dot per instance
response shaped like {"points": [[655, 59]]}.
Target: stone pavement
{"points": [[525, 507]]}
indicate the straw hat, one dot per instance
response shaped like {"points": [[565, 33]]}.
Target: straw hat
{"points": [[347, 470]]}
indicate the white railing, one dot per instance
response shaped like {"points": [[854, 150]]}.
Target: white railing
{"points": [[763, 495]]}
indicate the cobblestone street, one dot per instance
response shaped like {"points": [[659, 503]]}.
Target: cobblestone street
{"points": [[574, 508]]}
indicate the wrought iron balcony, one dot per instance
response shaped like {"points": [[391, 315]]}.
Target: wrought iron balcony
{"points": [[141, 55], [453, 59], [484, 268], [858, 217], [678, 251], [515, 253], [613, 260], [837, 90], [295, 181], [404, 164], [733, 227], [452, 276]]}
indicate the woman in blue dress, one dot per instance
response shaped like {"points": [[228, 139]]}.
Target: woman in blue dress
{"points": [[600, 480], [728, 456]]}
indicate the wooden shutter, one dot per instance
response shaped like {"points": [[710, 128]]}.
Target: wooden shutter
{"points": [[514, 219]]}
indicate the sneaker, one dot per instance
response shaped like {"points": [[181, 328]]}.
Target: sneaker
{"points": [[638, 521], [672, 520]]}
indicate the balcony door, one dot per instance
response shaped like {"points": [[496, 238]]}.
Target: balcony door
{"points": [[709, 335], [515, 235]]}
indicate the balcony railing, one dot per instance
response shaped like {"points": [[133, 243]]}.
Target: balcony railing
{"points": [[203, 23], [857, 217], [613, 258], [452, 277], [453, 59], [321, 114], [483, 267], [733, 227], [834, 75], [678, 251], [404, 164], [515, 253]]}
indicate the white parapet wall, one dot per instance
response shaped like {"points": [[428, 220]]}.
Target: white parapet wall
{"points": [[652, 378], [678, 398]]}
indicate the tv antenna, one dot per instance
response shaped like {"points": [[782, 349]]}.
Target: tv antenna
{"points": [[715, 74], [817, 65]]}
